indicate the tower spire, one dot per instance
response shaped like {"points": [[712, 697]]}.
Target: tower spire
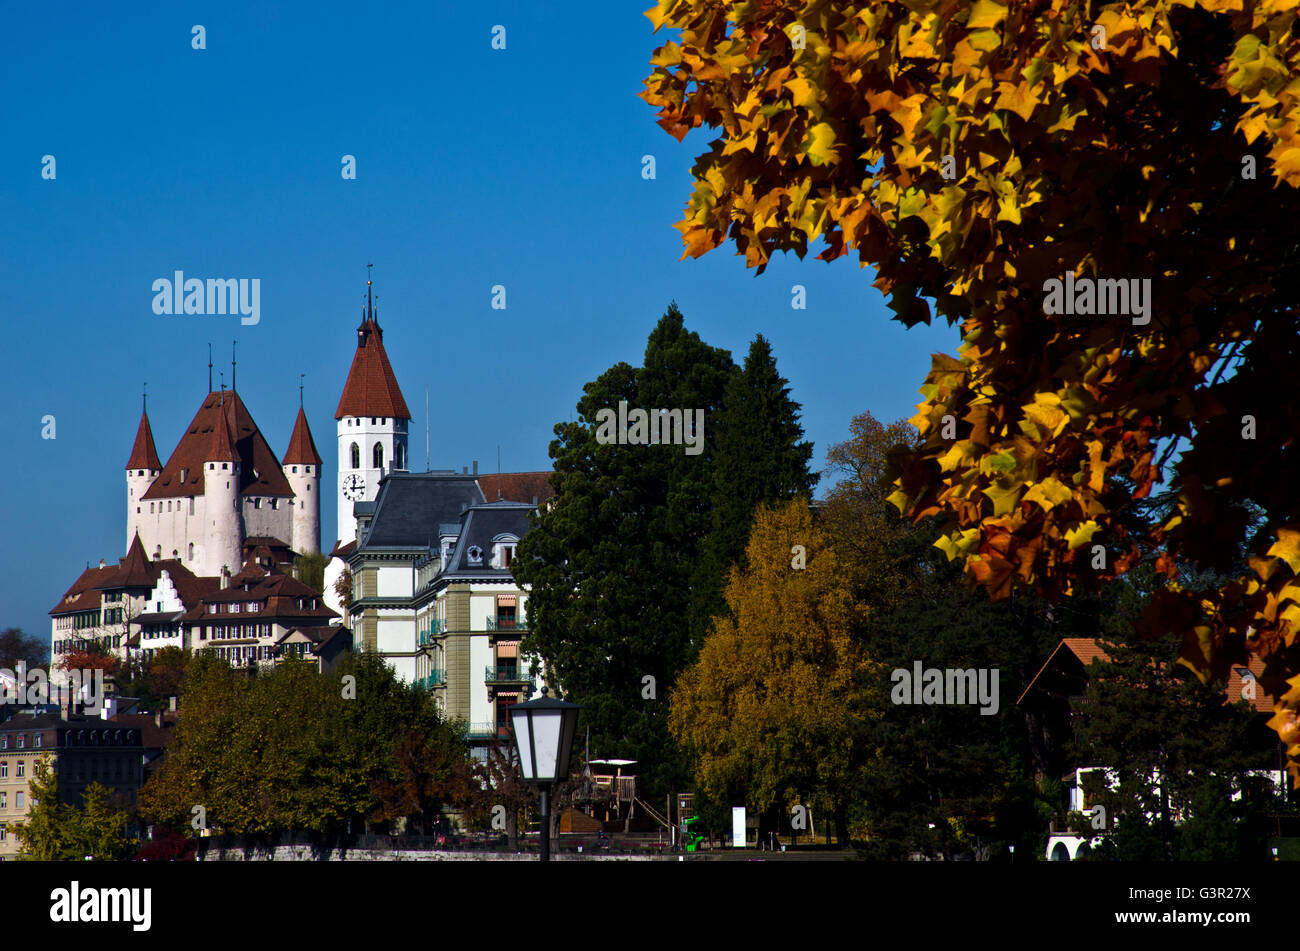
{"points": [[209, 368], [370, 307], [144, 399], [232, 365], [301, 377]]}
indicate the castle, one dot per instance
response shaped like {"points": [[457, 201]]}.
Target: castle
{"points": [[222, 486]]}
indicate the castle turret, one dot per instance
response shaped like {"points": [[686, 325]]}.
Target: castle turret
{"points": [[141, 471], [221, 495], [302, 464]]}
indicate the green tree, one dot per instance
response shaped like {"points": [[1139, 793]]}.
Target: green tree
{"points": [[1173, 744], [310, 569], [47, 834], [98, 828], [612, 560], [766, 709], [17, 645], [760, 458]]}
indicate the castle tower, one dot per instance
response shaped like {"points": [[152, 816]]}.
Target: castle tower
{"points": [[372, 423], [302, 464], [141, 471], [224, 535]]}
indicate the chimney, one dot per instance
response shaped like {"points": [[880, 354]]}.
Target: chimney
{"points": [[109, 708], [225, 577], [101, 564], [476, 467], [158, 719]]}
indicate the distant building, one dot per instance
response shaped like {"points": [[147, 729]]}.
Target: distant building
{"points": [[81, 749]]}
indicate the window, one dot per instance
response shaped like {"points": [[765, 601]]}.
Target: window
{"points": [[399, 457], [22, 769], [356, 456], [150, 508], [3, 798], [169, 505], [22, 741], [4, 770], [18, 800], [191, 505], [191, 558], [293, 468], [36, 739], [379, 455]]}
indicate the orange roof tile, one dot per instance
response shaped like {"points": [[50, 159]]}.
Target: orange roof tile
{"points": [[517, 487], [371, 388]]}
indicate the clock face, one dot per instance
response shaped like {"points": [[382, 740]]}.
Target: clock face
{"points": [[354, 486]]}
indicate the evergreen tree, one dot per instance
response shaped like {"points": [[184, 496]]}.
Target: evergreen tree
{"points": [[46, 835], [760, 460], [612, 561]]}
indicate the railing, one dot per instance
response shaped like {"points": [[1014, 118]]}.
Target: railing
{"points": [[435, 678], [485, 731], [504, 675], [506, 624], [436, 627]]}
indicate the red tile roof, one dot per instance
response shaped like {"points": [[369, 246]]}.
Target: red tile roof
{"points": [[1088, 649], [302, 448], [144, 455], [260, 472], [371, 389], [517, 486], [133, 571]]}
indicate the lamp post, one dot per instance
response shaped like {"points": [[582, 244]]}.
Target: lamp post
{"points": [[543, 734]]}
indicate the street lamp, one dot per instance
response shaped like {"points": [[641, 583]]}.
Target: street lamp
{"points": [[543, 733]]}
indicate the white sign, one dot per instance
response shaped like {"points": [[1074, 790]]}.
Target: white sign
{"points": [[738, 827]]}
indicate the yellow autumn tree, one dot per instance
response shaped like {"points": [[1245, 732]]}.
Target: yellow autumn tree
{"points": [[767, 710], [1102, 196]]}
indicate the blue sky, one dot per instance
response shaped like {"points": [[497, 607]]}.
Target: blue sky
{"points": [[475, 167]]}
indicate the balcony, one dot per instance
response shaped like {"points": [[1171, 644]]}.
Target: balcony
{"points": [[511, 674], [486, 731], [436, 628], [435, 678], [499, 624]]}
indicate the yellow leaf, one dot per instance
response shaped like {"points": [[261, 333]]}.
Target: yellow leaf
{"points": [[985, 14], [1287, 547], [819, 144], [1048, 494], [1082, 535]]}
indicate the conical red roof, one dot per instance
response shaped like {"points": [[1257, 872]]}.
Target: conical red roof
{"points": [[371, 389], [302, 448], [144, 455], [259, 470], [221, 447], [133, 570]]}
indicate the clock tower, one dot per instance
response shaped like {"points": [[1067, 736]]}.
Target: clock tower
{"points": [[372, 423]]}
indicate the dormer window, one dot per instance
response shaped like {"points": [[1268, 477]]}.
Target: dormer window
{"points": [[185, 474], [475, 555]]}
